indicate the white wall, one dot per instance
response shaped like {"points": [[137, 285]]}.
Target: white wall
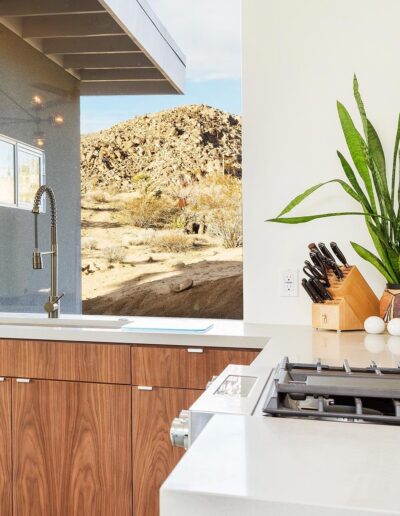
{"points": [[299, 57]]}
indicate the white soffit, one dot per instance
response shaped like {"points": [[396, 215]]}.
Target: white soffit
{"points": [[114, 47]]}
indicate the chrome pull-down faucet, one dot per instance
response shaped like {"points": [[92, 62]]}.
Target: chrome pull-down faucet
{"points": [[52, 306]]}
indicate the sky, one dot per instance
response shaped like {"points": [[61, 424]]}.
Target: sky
{"points": [[208, 33]]}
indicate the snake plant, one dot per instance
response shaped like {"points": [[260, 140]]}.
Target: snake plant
{"points": [[369, 183]]}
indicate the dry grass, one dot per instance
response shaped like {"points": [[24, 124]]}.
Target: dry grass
{"points": [[99, 196], [114, 254], [171, 242], [89, 243], [149, 211]]}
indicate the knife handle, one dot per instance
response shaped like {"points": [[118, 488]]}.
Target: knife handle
{"points": [[325, 251], [306, 288], [338, 273], [314, 291], [321, 289], [340, 256]]}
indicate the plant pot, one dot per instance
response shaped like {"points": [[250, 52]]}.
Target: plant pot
{"points": [[389, 305]]}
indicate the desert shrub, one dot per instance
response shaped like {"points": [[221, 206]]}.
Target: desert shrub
{"points": [[150, 211], [89, 243], [114, 254], [217, 202], [227, 225], [171, 241], [99, 196]]}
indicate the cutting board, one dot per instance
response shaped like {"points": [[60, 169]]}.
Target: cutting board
{"points": [[168, 324]]}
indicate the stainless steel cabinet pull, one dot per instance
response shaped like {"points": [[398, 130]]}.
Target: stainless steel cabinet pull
{"points": [[2, 379], [23, 380], [195, 350], [145, 388]]}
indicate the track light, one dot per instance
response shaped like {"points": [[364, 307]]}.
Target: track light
{"points": [[39, 139]]}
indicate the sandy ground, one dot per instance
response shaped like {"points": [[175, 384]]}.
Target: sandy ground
{"points": [[142, 282]]}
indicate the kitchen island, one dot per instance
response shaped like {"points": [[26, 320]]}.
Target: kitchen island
{"points": [[257, 465]]}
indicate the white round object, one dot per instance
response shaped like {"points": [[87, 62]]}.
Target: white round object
{"points": [[374, 324], [394, 326]]}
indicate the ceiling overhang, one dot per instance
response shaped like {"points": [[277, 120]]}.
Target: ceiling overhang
{"points": [[114, 47]]}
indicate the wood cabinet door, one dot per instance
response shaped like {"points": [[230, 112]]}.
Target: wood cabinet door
{"points": [[184, 367], [5, 448], [154, 457], [71, 449]]}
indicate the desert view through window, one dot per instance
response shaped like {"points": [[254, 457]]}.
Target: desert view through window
{"points": [[161, 189]]}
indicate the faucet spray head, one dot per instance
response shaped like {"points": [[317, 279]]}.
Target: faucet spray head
{"points": [[37, 261]]}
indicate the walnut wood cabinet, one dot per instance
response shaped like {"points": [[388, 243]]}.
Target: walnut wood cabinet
{"points": [[153, 455], [78, 434], [5, 448], [177, 376], [183, 367], [70, 447]]}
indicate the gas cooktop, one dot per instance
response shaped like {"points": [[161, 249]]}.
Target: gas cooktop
{"points": [[319, 391]]}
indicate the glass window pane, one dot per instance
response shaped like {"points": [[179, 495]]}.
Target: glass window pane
{"points": [[7, 192], [28, 176]]}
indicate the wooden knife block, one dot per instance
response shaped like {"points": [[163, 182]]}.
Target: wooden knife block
{"points": [[353, 301]]}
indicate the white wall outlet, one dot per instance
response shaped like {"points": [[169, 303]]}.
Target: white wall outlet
{"points": [[288, 282]]}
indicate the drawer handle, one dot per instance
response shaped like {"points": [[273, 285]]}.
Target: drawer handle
{"points": [[145, 388], [23, 380], [2, 379], [195, 350]]}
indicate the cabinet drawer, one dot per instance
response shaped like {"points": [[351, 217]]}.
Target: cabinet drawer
{"points": [[188, 368], [73, 361]]}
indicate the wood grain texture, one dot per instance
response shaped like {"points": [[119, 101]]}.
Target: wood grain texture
{"points": [[75, 361], [71, 449], [5, 449], [165, 366], [154, 457]]}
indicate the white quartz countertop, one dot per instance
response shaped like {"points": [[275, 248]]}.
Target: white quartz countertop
{"points": [[223, 333], [257, 465], [263, 465]]}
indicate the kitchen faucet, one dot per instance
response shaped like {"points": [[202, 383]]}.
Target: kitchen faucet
{"points": [[52, 306]]}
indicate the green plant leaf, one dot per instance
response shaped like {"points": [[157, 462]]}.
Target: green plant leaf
{"points": [[356, 146], [352, 179], [360, 105], [382, 248], [309, 218], [373, 260], [300, 198], [376, 151], [395, 154]]}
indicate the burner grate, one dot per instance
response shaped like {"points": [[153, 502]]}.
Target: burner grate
{"points": [[320, 391]]}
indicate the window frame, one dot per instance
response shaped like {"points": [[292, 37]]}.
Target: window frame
{"points": [[34, 151]]}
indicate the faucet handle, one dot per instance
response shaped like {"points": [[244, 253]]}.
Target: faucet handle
{"points": [[52, 304]]}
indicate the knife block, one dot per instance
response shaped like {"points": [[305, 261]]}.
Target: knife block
{"points": [[353, 301]]}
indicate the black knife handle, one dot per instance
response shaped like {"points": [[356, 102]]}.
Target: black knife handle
{"points": [[321, 287], [325, 251], [314, 291], [306, 288], [338, 273], [340, 256]]}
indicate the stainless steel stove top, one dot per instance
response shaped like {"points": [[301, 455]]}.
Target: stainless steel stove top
{"points": [[320, 391]]}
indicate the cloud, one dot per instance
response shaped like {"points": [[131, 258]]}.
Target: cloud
{"points": [[208, 32]]}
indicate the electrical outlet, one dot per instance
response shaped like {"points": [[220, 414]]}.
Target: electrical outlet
{"points": [[288, 282]]}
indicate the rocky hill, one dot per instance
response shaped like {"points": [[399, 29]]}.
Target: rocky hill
{"points": [[185, 142]]}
